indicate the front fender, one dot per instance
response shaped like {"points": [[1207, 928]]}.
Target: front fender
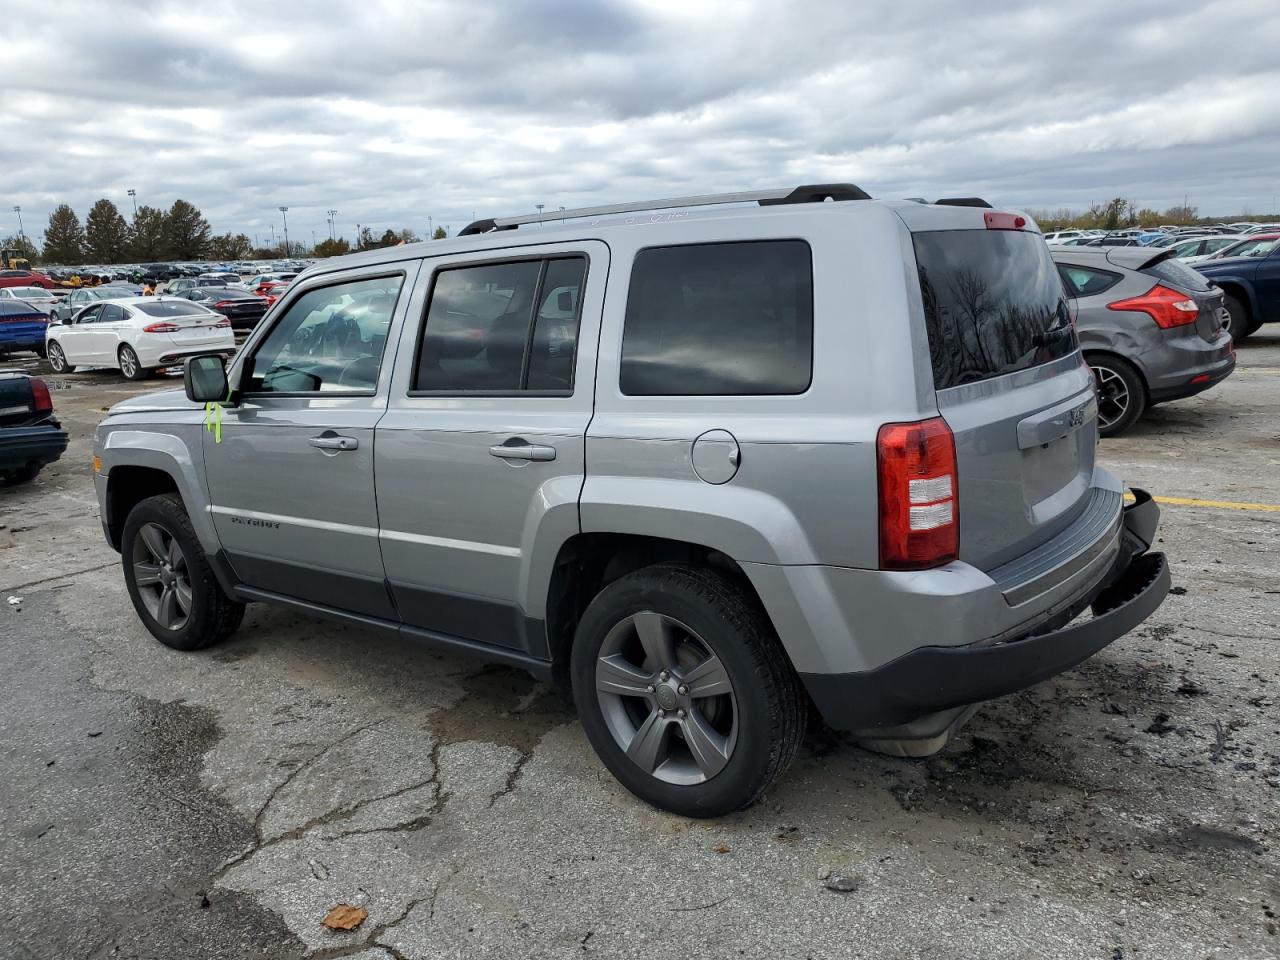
{"points": [[170, 453]]}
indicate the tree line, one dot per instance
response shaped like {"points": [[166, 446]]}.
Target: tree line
{"points": [[1121, 213], [179, 233]]}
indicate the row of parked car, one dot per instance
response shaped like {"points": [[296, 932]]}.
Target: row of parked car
{"points": [[1153, 329], [121, 325]]}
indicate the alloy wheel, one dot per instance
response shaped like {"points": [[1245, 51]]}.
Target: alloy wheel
{"points": [[1113, 396], [667, 699], [57, 359], [161, 576], [128, 362]]}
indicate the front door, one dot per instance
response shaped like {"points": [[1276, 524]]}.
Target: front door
{"points": [[291, 483], [1267, 287], [481, 456], [76, 338]]}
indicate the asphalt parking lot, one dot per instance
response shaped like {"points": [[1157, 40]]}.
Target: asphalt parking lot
{"points": [[216, 805]]}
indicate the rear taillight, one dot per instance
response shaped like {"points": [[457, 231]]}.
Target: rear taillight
{"points": [[224, 322], [40, 399], [162, 327], [1168, 308], [919, 515]]}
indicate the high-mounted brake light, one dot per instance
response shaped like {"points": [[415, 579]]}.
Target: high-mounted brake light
{"points": [[1003, 221], [919, 511], [162, 326], [1168, 308], [40, 399]]}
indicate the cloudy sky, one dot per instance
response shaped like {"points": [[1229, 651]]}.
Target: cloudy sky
{"points": [[393, 112]]}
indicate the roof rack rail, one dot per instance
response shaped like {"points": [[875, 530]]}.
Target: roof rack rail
{"points": [[808, 193], [961, 202]]}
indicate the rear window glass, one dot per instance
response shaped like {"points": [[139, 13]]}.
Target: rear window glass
{"points": [[1174, 271], [15, 307], [170, 308], [993, 303], [725, 319]]}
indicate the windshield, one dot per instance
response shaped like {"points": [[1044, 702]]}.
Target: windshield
{"points": [[993, 303], [1251, 248]]}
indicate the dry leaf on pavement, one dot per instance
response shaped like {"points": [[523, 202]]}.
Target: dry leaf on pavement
{"points": [[344, 917]]}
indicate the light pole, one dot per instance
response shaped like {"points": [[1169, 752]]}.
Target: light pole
{"points": [[431, 230], [133, 195], [284, 214], [333, 218], [18, 210]]}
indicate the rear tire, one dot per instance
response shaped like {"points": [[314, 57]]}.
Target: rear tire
{"points": [[1122, 396], [58, 359], [40, 351], [172, 586], [727, 713], [1241, 326], [130, 365], [23, 474]]}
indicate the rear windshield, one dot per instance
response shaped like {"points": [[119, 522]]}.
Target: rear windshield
{"points": [[170, 308], [1174, 271], [993, 304]]}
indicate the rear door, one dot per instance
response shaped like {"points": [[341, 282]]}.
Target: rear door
{"points": [[1267, 286], [482, 450], [1010, 384]]}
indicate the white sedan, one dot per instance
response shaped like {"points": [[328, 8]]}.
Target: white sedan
{"points": [[40, 298], [137, 335]]}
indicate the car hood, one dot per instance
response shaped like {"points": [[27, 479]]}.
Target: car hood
{"points": [[163, 400], [1227, 264]]}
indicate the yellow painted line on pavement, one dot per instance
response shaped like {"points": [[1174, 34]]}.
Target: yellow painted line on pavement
{"points": [[1215, 504]]}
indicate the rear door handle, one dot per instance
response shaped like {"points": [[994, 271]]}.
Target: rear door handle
{"points": [[334, 443], [523, 451]]}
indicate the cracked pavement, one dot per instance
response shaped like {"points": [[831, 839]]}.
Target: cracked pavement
{"points": [[216, 805]]}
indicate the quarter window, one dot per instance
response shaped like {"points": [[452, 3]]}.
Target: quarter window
{"points": [[719, 319], [330, 340], [502, 328], [1083, 282]]}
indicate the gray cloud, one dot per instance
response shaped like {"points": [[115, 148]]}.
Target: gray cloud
{"points": [[393, 111]]}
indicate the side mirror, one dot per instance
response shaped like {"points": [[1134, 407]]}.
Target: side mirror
{"points": [[205, 378]]}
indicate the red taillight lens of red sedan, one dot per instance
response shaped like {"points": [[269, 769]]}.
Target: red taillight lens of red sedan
{"points": [[1168, 308]]}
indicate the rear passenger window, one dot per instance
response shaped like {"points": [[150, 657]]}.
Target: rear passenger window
{"points": [[502, 328], [725, 319]]}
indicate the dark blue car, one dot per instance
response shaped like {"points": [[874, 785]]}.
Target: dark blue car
{"points": [[1251, 282], [22, 327]]}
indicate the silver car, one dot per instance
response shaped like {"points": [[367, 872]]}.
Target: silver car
{"points": [[1152, 329], [703, 461], [38, 297], [77, 300]]}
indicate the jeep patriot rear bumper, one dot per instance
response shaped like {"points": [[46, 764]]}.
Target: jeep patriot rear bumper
{"points": [[932, 679]]}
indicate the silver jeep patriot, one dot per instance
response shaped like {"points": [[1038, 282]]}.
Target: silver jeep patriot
{"points": [[705, 461]]}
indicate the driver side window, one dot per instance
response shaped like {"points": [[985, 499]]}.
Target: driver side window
{"points": [[330, 340]]}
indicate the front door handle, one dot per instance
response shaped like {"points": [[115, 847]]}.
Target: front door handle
{"points": [[331, 442], [523, 451]]}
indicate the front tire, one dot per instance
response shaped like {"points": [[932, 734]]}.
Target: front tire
{"points": [[58, 359], [170, 581], [1122, 396], [130, 366], [684, 690]]}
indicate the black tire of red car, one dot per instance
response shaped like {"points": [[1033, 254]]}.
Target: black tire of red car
{"points": [[1242, 325], [1122, 395], [130, 365], [58, 359], [213, 616]]}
